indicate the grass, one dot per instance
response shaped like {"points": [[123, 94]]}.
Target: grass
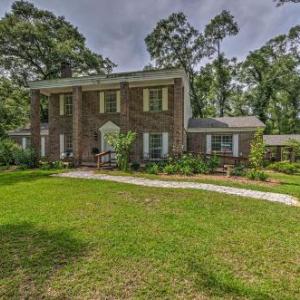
{"points": [[285, 184], [77, 239]]}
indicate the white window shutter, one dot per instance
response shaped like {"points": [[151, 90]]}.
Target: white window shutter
{"points": [[165, 144], [165, 99], [208, 144], [118, 101], [24, 143], [61, 105], [43, 148], [235, 145], [145, 99], [146, 144], [61, 145], [101, 102]]}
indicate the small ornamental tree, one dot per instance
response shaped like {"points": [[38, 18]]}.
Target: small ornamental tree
{"points": [[257, 150], [122, 144]]}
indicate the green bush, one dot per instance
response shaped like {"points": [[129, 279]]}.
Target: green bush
{"points": [[58, 165], [201, 167], [284, 167], [185, 170], [8, 148], [25, 158], [257, 175], [170, 169], [238, 170], [213, 163], [152, 168], [135, 166]]}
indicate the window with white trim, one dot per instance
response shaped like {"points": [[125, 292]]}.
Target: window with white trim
{"points": [[69, 143], [222, 143], [155, 99], [68, 105], [155, 146], [110, 101]]}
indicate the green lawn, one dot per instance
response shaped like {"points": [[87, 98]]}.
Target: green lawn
{"points": [[68, 238], [287, 184]]}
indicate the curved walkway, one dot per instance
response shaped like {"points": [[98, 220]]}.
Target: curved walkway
{"points": [[274, 197]]}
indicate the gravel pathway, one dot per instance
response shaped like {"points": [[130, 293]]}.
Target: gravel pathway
{"points": [[274, 197]]}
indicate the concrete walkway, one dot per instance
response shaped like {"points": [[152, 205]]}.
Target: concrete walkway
{"points": [[274, 197]]}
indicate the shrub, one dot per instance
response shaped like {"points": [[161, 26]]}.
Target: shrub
{"points": [[57, 164], [122, 144], [201, 167], [152, 168], [185, 170], [135, 166], [257, 150], [284, 167], [212, 163], [170, 169], [238, 170], [257, 175], [8, 148], [25, 158]]}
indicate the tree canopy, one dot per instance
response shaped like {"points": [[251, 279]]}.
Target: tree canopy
{"points": [[34, 44], [14, 106]]}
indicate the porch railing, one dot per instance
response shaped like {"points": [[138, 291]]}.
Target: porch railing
{"points": [[100, 156]]}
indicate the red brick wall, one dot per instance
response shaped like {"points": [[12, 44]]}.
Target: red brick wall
{"points": [[138, 121]]}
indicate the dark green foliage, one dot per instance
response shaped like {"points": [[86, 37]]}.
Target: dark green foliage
{"points": [[25, 158], [152, 168], [135, 166], [14, 106], [254, 174], [284, 167], [238, 170], [8, 148], [34, 44]]}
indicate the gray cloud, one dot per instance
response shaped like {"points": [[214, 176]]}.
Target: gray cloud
{"points": [[117, 28]]}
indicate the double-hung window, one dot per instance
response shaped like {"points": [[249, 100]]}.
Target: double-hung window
{"points": [[155, 146], [155, 99], [69, 144], [110, 100], [222, 143], [68, 105]]}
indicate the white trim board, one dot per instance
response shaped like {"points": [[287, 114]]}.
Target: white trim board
{"points": [[221, 130]]}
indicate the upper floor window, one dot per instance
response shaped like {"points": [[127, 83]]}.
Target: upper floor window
{"points": [[155, 146], [155, 99], [68, 105], [110, 100], [222, 143]]}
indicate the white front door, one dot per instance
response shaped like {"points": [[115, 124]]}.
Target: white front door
{"points": [[108, 127]]}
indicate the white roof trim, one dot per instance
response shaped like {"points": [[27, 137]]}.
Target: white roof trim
{"points": [[43, 132], [108, 79], [223, 129]]}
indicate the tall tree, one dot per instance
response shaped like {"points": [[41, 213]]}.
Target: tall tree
{"points": [[13, 105], [174, 42], [220, 73], [216, 31], [34, 44]]}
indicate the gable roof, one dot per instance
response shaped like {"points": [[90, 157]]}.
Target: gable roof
{"points": [[26, 130], [226, 122], [280, 140]]}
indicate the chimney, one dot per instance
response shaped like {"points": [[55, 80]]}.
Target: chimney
{"points": [[65, 70]]}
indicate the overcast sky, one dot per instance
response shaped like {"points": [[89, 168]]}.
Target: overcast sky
{"points": [[117, 28]]}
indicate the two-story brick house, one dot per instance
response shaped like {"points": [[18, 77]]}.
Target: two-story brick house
{"points": [[154, 104]]}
